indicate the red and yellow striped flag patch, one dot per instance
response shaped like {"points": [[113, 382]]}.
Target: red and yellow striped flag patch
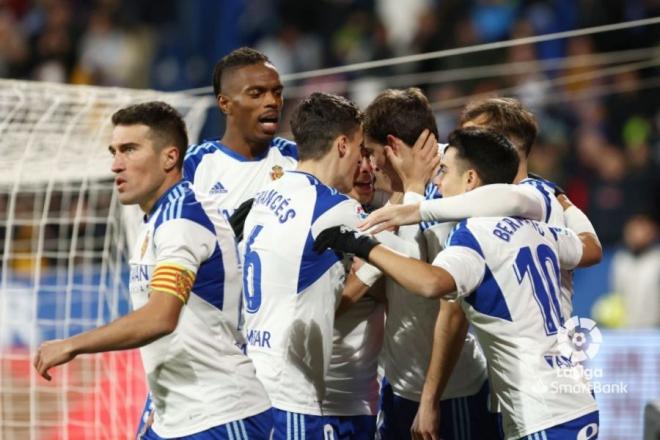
{"points": [[173, 279]]}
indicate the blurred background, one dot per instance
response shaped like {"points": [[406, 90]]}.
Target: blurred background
{"points": [[596, 98]]}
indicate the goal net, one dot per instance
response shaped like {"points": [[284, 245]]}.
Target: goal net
{"points": [[63, 252]]}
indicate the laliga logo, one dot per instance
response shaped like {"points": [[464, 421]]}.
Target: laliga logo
{"points": [[579, 339]]}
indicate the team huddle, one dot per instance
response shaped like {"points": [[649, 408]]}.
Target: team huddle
{"points": [[361, 282]]}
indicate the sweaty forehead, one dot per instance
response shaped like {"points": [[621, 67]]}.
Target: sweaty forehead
{"points": [[254, 75]]}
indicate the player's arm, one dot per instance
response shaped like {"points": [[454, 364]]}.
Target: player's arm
{"points": [[181, 246], [578, 222], [456, 269], [355, 288], [157, 318], [450, 330], [414, 275], [365, 276], [493, 200]]}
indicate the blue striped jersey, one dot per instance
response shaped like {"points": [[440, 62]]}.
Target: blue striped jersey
{"points": [[507, 273], [290, 291], [229, 178], [198, 376]]}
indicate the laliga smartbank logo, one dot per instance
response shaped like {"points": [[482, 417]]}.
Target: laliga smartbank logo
{"points": [[579, 339]]}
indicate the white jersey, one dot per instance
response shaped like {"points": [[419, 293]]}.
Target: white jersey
{"points": [[507, 277], [230, 178], [198, 376], [553, 214], [352, 387], [409, 330], [290, 291]]}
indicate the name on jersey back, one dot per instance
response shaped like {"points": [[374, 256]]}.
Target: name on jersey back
{"points": [[277, 203], [505, 228]]}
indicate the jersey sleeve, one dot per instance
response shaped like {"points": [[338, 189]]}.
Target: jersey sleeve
{"points": [[494, 200], [465, 266], [347, 212], [463, 259], [569, 247], [544, 191], [181, 247]]}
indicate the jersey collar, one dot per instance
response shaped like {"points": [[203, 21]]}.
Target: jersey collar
{"points": [[239, 157], [175, 191]]}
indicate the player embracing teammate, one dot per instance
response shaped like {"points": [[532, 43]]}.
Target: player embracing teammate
{"points": [[290, 292]]}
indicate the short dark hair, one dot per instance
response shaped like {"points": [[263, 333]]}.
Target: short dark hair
{"points": [[490, 153], [401, 113], [165, 123], [243, 56], [506, 115], [320, 119]]}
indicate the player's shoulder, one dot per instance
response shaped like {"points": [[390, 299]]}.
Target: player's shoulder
{"points": [[181, 203], [465, 233], [196, 152], [328, 198], [284, 147], [536, 180]]}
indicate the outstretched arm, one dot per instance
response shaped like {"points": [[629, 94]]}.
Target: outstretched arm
{"points": [[417, 276], [485, 201], [414, 275], [157, 318]]}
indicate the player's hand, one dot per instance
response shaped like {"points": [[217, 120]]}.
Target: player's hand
{"points": [[391, 216], [51, 354], [415, 166], [343, 239], [426, 424]]}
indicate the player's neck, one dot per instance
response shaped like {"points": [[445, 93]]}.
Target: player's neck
{"points": [[148, 203], [318, 169], [522, 171], [248, 149]]}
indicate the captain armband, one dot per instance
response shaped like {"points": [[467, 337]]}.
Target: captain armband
{"points": [[173, 279]]}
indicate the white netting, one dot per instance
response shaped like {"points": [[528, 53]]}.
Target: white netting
{"points": [[63, 257]]}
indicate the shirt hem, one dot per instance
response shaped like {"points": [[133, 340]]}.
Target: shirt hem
{"points": [[307, 410], [551, 423], [210, 422]]}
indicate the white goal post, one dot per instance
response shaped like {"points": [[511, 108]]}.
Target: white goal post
{"points": [[63, 257]]}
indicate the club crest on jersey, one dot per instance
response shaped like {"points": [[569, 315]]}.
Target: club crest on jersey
{"points": [[276, 172], [145, 243], [359, 210]]}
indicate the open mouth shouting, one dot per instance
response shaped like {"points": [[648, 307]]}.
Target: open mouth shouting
{"points": [[269, 122]]}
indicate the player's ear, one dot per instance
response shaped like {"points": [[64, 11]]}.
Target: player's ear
{"points": [[472, 179], [341, 144], [393, 142], [224, 104], [171, 157]]}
